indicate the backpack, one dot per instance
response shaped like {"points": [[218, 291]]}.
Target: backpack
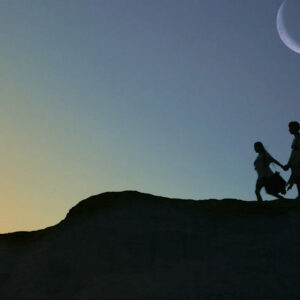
{"points": [[275, 184]]}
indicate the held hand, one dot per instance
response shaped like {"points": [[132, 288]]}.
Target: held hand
{"points": [[285, 168]]}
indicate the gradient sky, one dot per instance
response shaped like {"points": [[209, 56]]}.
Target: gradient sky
{"points": [[161, 96]]}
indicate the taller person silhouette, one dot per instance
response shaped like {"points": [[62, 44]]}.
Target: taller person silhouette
{"points": [[294, 160]]}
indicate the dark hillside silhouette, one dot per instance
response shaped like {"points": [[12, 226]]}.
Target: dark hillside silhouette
{"points": [[140, 246]]}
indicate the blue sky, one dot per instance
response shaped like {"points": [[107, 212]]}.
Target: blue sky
{"points": [[161, 96]]}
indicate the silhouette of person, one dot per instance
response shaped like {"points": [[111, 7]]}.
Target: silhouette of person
{"points": [[294, 160], [261, 165]]}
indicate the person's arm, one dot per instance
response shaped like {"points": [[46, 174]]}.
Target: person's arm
{"points": [[278, 163]]}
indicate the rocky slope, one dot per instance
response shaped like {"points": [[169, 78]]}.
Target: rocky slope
{"points": [[134, 245]]}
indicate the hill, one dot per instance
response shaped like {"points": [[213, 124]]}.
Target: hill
{"points": [[131, 245]]}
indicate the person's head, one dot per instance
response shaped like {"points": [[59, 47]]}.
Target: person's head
{"points": [[294, 127], [259, 147]]}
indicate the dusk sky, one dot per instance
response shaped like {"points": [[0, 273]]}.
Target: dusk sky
{"points": [[161, 96]]}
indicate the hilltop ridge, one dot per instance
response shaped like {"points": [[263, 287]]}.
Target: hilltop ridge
{"points": [[109, 200], [135, 245]]}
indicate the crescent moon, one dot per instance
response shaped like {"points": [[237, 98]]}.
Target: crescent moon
{"points": [[284, 35]]}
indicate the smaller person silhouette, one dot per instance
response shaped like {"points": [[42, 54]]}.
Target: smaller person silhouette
{"points": [[261, 165], [294, 160]]}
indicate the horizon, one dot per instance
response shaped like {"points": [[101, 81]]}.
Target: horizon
{"points": [[165, 97]]}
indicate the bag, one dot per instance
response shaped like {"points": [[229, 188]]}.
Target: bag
{"points": [[275, 184]]}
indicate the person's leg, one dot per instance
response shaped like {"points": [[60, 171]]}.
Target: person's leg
{"points": [[258, 187], [296, 176], [298, 187]]}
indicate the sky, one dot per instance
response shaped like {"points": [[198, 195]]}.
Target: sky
{"points": [[161, 96]]}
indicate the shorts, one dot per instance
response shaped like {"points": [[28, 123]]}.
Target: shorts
{"points": [[295, 176]]}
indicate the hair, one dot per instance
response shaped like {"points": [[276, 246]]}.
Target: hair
{"points": [[294, 124], [260, 144]]}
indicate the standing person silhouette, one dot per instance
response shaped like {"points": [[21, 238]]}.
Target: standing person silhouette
{"points": [[294, 160], [261, 165]]}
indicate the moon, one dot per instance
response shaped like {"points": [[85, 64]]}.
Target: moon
{"points": [[285, 36]]}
